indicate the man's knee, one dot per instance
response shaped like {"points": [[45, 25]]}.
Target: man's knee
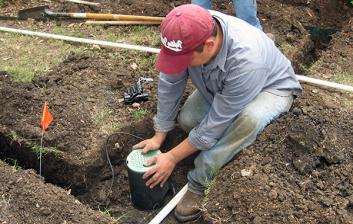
{"points": [[247, 124], [185, 120]]}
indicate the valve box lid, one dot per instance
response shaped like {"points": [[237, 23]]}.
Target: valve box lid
{"points": [[136, 160]]}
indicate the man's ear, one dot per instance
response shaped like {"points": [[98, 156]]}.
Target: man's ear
{"points": [[210, 43]]}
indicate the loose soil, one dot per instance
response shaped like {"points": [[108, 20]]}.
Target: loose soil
{"points": [[26, 199], [298, 170]]}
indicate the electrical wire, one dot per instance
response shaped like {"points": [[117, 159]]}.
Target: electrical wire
{"points": [[107, 154]]}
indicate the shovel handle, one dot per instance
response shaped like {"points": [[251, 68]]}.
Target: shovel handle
{"points": [[100, 16], [129, 22]]}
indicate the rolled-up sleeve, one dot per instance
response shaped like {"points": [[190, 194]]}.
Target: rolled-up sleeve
{"points": [[170, 92], [239, 90]]}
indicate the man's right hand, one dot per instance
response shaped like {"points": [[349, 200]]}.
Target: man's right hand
{"points": [[151, 144]]}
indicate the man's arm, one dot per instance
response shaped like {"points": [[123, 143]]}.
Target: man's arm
{"points": [[170, 91]]}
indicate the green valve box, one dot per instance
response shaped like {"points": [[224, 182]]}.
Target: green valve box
{"points": [[144, 197], [135, 160]]}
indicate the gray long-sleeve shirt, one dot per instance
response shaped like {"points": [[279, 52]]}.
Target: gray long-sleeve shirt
{"points": [[247, 64]]}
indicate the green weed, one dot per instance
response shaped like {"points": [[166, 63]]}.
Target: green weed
{"points": [[209, 181], [46, 150], [13, 163], [139, 113], [105, 211], [13, 136]]}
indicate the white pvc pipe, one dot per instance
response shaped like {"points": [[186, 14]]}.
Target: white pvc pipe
{"points": [[84, 2], [325, 83], [154, 50], [81, 40], [169, 207]]}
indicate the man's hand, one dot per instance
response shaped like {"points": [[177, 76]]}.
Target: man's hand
{"points": [[165, 163], [151, 144]]}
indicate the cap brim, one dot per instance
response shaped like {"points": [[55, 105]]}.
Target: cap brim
{"points": [[172, 64]]}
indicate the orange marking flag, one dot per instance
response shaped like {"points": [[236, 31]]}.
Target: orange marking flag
{"points": [[47, 118]]}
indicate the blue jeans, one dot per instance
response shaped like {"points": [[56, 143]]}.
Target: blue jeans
{"points": [[244, 9], [241, 133]]}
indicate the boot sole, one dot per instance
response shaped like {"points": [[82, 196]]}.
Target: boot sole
{"points": [[186, 218]]}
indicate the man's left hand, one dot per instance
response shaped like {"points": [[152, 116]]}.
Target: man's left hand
{"points": [[165, 163]]}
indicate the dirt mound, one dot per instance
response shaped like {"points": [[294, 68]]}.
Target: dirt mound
{"points": [[337, 59], [26, 199], [291, 22], [298, 171]]}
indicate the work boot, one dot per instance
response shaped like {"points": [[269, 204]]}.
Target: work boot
{"points": [[188, 208]]}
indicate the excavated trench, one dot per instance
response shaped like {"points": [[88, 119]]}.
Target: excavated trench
{"points": [[55, 169], [59, 171], [94, 184]]}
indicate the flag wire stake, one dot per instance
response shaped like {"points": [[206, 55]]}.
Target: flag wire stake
{"points": [[40, 155]]}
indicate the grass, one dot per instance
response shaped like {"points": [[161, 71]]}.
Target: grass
{"points": [[46, 150], [343, 78], [35, 148], [24, 57], [337, 75], [286, 47], [102, 115], [104, 118], [66, 32], [139, 113]]}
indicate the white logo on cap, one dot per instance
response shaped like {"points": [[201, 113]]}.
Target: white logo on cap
{"points": [[172, 45]]}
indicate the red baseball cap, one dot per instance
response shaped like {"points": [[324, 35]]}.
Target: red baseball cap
{"points": [[184, 29]]}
